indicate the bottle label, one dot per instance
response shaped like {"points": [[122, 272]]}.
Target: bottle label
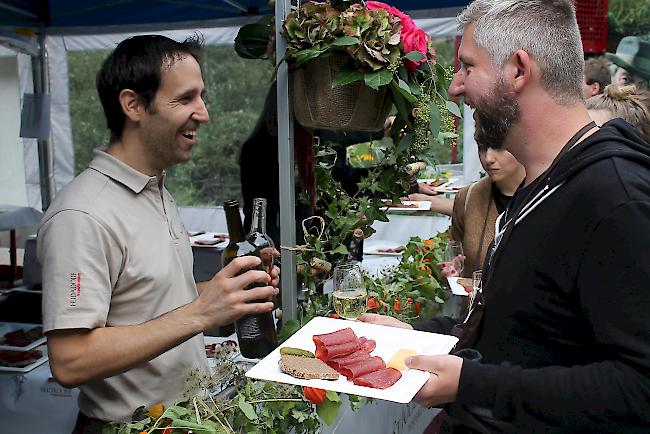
{"points": [[248, 327]]}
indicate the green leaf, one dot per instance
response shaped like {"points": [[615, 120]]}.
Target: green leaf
{"points": [[247, 408], [434, 119], [328, 411], [346, 76], [252, 41], [404, 89], [404, 144], [400, 102], [453, 108], [300, 416], [447, 135], [341, 249], [379, 78], [414, 56], [345, 40], [332, 396], [205, 427]]}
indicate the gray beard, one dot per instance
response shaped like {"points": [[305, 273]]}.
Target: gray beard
{"points": [[497, 112]]}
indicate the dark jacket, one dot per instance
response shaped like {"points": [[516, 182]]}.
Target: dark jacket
{"points": [[565, 337]]}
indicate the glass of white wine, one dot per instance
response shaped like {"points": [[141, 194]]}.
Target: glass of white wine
{"points": [[349, 295]]}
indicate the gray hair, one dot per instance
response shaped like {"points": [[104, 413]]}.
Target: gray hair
{"points": [[546, 29]]}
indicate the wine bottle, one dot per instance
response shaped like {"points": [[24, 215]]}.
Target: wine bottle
{"points": [[355, 252], [256, 333], [257, 235]]}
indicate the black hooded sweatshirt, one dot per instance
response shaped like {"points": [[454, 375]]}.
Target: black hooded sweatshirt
{"points": [[565, 338]]}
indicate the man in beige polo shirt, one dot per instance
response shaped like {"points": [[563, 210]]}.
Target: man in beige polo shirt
{"points": [[123, 315]]}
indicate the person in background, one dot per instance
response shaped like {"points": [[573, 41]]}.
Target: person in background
{"points": [[597, 75], [625, 102], [475, 207], [259, 168], [123, 315], [558, 338], [632, 59]]}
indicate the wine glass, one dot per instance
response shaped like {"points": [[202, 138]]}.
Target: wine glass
{"points": [[349, 295], [454, 258], [477, 286]]}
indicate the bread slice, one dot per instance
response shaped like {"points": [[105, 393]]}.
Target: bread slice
{"points": [[307, 368]]}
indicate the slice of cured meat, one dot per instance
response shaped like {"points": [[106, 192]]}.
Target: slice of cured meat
{"points": [[326, 352], [379, 379], [362, 367], [358, 355], [335, 338], [368, 344]]}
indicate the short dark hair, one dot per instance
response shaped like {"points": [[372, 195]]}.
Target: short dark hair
{"points": [[136, 64], [597, 71]]}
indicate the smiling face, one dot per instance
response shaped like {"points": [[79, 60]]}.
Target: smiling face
{"points": [[168, 129], [494, 103]]}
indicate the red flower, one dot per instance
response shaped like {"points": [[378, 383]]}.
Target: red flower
{"points": [[314, 395], [372, 304]]}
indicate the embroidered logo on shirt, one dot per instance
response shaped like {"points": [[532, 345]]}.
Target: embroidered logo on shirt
{"points": [[75, 288]]}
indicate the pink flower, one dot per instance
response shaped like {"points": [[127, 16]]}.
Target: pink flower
{"points": [[412, 37], [414, 41]]}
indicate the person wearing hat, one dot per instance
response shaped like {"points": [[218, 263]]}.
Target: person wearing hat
{"points": [[633, 60]]}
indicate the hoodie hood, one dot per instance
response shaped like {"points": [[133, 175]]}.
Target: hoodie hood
{"points": [[615, 138]]}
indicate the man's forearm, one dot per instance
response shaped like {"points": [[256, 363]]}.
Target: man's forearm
{"points": [[79, 355]]}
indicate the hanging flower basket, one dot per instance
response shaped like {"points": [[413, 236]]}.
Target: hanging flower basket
{"points": [[351, 107]]}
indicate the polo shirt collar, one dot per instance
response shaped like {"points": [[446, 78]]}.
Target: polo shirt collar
{"points": [[120, 171]]}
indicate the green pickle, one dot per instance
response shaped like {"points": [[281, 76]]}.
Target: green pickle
{"points": [[290, 351]]}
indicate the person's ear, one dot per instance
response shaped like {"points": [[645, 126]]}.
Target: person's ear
{"points": [[132, 107], [519, 69], [594, 88]]}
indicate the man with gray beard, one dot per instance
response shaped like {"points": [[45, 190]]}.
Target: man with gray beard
{"points": [[559, 339]]}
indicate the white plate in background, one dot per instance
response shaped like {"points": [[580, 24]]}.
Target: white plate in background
{"points": [[371, 247], [417, 205], [8, 327], [34, 364]]}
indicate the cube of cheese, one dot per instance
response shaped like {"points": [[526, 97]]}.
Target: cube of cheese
{"points": [[397, 361]]}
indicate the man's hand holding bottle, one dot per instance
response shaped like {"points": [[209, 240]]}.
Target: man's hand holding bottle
{"points": [[226, 297]]}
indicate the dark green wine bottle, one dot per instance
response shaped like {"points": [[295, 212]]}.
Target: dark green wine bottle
{"points": [[256, 333]]}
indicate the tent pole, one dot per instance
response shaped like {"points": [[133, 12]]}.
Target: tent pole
{"points": [[45, 157], [287, 173]]}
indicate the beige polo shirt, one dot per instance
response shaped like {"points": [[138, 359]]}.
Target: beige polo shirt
{"points": [[114, 252]]}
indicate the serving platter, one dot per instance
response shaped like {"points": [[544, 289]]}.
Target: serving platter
{"points": [[389, 341]]}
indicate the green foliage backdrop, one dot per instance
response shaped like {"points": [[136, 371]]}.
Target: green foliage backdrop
{"points": [[235, 95]]}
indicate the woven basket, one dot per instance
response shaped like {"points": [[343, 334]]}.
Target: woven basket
{"points": [[353, 107]]}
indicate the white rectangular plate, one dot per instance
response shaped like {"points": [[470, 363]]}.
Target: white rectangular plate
{"points": [[456, 288], [7, 327], [206, 239], [430, 180], [389, 341], [29, 367], [420, 205], [371, 247]]}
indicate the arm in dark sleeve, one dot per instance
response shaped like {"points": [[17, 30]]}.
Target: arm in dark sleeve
{"points": [[612, 393], [441, 324]]}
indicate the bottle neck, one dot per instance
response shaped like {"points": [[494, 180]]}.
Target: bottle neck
{"points": [[233, 219], [258, 223]]}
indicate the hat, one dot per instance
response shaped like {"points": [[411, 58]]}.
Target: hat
{"points": [[633, 54]]}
